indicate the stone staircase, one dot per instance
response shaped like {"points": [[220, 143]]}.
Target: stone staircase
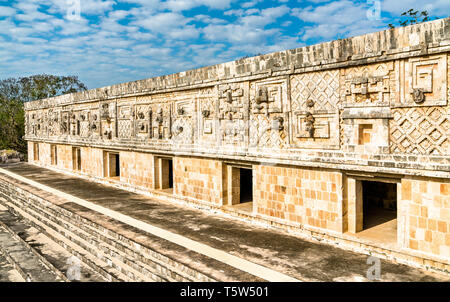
{"points": [[34, 255], [24, 260], [106, 252]]}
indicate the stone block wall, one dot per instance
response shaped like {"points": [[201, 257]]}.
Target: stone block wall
{"points": [[199, 179], [137, 169], [64, 156], [307, 196], [92, 161], [427, 212]]}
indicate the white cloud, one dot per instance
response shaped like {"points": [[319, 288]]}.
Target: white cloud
{"points": [[6, 11], [87, 7], [250, 3], [337, 19]]}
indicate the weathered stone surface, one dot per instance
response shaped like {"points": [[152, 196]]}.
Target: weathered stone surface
{"points": [[314, 124]]}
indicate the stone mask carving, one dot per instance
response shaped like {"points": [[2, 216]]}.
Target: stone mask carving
{"points": [[310, 124], [418, 95], [206, 113], [159, 117], [262, 95]]}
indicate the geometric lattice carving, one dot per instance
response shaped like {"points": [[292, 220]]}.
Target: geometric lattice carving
{"points": [[182, 130], [420, 130], [182, 126], [267, 132], [125, 128], [320, 87], [84, 128]]}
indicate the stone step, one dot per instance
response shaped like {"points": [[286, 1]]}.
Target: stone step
{"points": [[140, 257], [28, 264], [110, 253], [49, 251], [7, 271], [62, 220], [112, 269]]}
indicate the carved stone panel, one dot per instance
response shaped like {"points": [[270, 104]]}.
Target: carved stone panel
{"points": [[125, 122], [94, 123], [108, 116], [268, 121], [269, 96], [315, 103], [207, 122], [161, 123], [420, 130], [366, 130], [322, 88], [143, 120], [84, 123], [369, 85], [53, 122], [65, 122], [233, 112], [424, 80], [268, 132], [182, 127]]}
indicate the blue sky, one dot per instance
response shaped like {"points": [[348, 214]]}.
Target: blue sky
{"points": [[115, 41]]}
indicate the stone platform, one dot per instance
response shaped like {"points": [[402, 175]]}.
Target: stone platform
{"points": [[126, 236]]}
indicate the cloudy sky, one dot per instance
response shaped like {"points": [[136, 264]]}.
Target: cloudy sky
{"points": [[115, 41]]}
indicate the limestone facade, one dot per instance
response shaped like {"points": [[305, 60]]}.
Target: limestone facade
{"points": [[319, 128]]}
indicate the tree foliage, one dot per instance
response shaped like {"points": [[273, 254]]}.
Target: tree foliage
{"points": [[413, 17], [14, 92]]}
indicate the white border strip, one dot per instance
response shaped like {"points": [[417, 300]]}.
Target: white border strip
{"points": [[219, 255]]}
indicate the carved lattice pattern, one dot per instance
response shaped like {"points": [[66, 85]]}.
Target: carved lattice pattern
{"points": [[420, 130], [321, 87], [124, 129], [263, 135]]}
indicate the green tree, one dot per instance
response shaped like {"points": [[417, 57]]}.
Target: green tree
{"points": [[413, 17], [14, 92]]}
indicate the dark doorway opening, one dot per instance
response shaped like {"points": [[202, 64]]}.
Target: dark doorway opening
{"points": [[36, 151], [117, 170], [170, 173], [246, 185], [76, 159], [379, 203], [166, 173], [113, 165], [54, 154]]}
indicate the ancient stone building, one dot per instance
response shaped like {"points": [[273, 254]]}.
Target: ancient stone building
{"points": [[348, 140]]}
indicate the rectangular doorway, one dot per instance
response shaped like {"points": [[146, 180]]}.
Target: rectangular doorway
{"points": [[76, 159], [240, 188], [166, 174], [36, 151], [54, 155], [246, 185], [113, 165], [379, 203], [377, 210]]}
